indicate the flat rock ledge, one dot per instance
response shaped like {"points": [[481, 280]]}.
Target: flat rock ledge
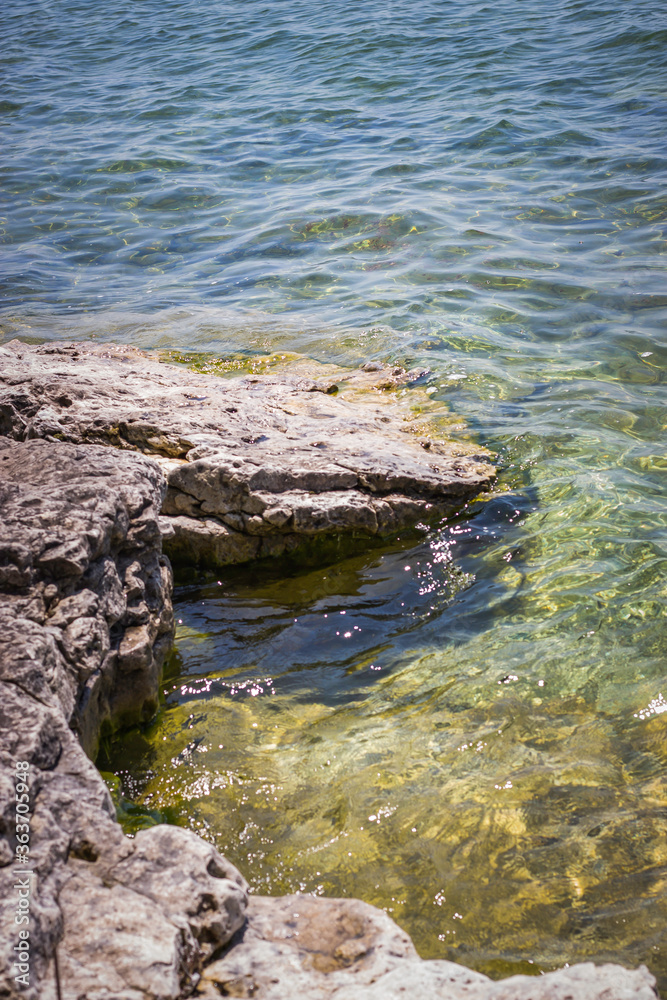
{"points": [[85, 624], [255, 465]]}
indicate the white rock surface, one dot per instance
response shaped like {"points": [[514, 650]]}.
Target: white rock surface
{"points": [[342, 949]]}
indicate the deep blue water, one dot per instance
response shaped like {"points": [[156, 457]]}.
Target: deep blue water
{"points": [[475, 188]]}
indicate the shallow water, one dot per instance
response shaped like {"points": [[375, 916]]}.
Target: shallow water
{"points": [[475, 189]]}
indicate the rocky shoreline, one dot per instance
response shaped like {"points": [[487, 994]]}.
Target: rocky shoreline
{"points": [[106, 455]]}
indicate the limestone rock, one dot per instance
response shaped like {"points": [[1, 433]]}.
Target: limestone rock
{"points": [[341, 949], [256, 464], [85, 622], [82, 574], [141, 920], [585, 981], [306, 946]]}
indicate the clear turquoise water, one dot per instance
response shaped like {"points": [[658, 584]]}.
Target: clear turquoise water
{"points": [[479, 189]]}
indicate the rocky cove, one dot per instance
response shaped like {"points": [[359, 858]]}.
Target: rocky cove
{"points": [[106, 457]]}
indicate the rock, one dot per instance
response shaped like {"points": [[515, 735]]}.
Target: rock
{"points": [[342, 949], [142, 920], [303, 946], [85, 623], [81, 572], [256, 465], [585, 981]]}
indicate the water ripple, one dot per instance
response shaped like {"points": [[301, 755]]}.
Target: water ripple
{"points": [[476, 189]]}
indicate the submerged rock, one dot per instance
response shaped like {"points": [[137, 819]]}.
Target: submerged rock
{"points": [[256, 464], [85, 622]]}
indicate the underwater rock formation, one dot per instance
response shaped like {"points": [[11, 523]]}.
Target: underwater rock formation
{"points": [[85, 623]]}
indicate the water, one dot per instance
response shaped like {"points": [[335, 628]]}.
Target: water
{"points": [[477, 189]]}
